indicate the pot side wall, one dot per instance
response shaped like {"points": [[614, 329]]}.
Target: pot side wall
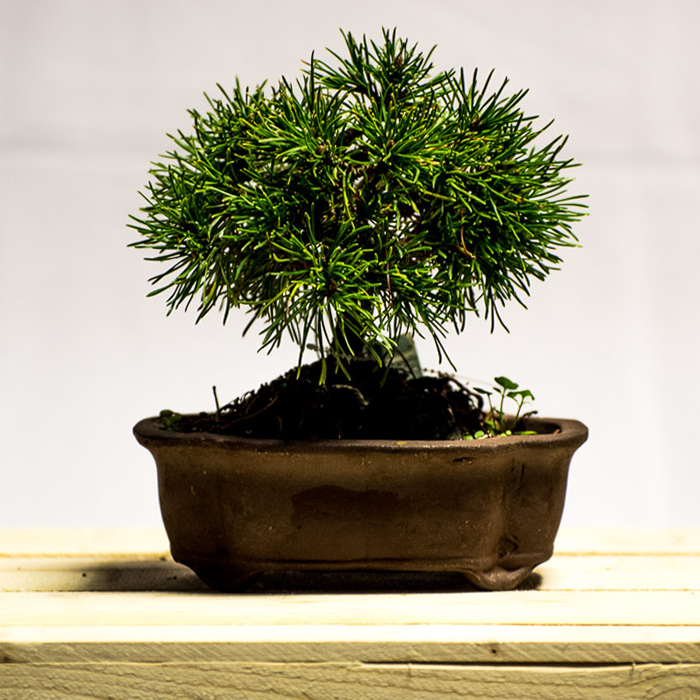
{"points": [[461, 506]]}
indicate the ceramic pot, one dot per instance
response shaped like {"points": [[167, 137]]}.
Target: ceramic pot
{"points": [[489, 509]]}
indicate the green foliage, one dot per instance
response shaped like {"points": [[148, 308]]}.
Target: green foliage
{"points": [[496, 421], [371, 198]]}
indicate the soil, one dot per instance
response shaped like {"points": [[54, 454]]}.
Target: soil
{"points": [[378, 403]]}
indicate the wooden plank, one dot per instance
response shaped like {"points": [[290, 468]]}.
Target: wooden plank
{"points": [[596, 572], [159, 573], [347, 681], [638, 540], [53, 542], [438, 644], [96, 573], [613, 608], [559, 626]]}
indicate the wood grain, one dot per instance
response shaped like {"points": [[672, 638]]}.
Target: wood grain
{"points": [[349, 681]]}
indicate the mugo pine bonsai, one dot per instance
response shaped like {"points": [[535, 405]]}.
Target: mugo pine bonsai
{"points": [[370, 200]]}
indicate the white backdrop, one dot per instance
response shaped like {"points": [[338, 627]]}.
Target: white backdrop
{"points": [[88, 91]]}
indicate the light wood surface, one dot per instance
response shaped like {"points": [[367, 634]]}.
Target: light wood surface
{"points": [[108, 614]]}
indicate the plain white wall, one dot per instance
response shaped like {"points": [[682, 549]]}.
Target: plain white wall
{"points": [[88, 91]]}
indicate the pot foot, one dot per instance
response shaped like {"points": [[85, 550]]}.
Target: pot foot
{"points": [[498, 578]]}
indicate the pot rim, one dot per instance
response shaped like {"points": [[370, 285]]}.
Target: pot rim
{"points": [[560, 431]]}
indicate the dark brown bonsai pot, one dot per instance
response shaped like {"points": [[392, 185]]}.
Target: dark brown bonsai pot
{"points": [[488, 509]]}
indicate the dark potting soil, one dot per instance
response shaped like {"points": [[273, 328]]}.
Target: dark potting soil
{"points": [[376, 404]]}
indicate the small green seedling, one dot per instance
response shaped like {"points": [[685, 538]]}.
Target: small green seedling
{"points": [[170, 420], [497, 421]]}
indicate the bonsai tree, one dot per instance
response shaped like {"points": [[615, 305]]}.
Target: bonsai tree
{"points": [[373, 198]]}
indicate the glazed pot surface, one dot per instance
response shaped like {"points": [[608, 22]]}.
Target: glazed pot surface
{"points": [[488, 509]]}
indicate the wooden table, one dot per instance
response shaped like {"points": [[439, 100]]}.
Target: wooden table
{"points": [[106, 614]]}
